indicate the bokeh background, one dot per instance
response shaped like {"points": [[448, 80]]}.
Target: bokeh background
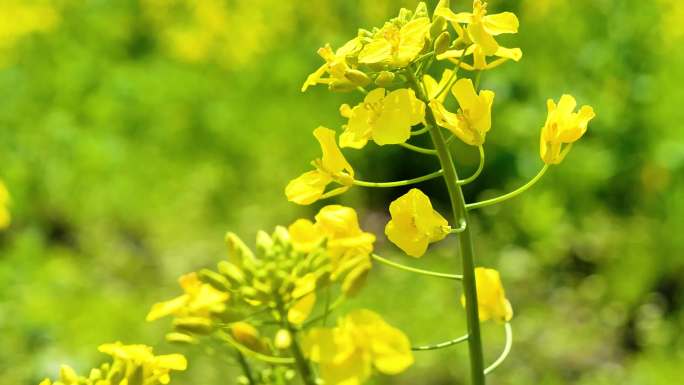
{"points": [[135, 133]]}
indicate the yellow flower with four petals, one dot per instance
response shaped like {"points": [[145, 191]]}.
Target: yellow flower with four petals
{"points": [[562, 128], [396, 46], [491, 297]]}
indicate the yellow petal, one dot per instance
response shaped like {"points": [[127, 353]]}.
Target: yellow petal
{"points": [[314, 78], [304, 285], [482, 38], [510, 53], [305, 236], [461, 17], [172, 361], [391, 350], [499, 23], [491, 297], [163, 309], [332, 161], [301, 310], [413, 35], [377, 51], [307, 188]]}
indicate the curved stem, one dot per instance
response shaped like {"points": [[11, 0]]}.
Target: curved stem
{"points": [[246, 369], [504, 354], [477, 173], [452, 79], [399, 183], [465, 242], [427, 151], [441, 345], [511, 194], [259, 356], [420, 131], [415, 270]]}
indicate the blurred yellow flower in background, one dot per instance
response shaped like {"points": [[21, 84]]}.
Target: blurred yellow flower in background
{"points": [[200, 300], [360, 342], [141, 365], [331, 167], [19, 19], [335, 66], [386, 118], [491, 297], [474, 117], [5, 216], [562, 128], [415, 224]]}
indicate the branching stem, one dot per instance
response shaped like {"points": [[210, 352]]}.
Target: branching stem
{"points": [[415, 270]]}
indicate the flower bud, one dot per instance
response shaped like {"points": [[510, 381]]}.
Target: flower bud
{"points": [[247, 335], [283, 339], [215, 279], [357, 77], [384, 79], [180, 338], [421, 10], [67, 375], [442, 42], [232, 272], [341, 86], [438, 25], [198, 325]]}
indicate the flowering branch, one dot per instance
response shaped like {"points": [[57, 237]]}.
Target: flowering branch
{"points": [[511, 194]]}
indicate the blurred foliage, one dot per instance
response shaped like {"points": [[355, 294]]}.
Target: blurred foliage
{"points": [[135, 133]]}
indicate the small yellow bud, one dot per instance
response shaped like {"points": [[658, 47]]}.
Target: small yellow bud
{"points": [[232, 272], [438, 25], [247, 335], [341, 86], [283, 339], [384, 79], [357, 77], [67, 375], [215, 279], [180, 338], [442, 42], [199, 325]]}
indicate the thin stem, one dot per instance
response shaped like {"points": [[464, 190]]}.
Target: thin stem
{"points": [[452, 79], [504, 354], [477, 173], [399, 183], [362, 90], [427, 151], [511, 194], [246, 369], [477, 80], [259, 356], [302, 363], [420, 131], [441, 345], [465, 242], [332, 307], [415, 270]]}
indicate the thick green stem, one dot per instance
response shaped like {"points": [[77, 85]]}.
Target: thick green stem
{"points": [[465, 242], [302, 364], [246, 369]]}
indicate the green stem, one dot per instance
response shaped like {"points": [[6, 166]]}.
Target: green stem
{"points": [[511, 194], [399, 183], [477, 173], [465, 242], [441, 345], [415, 270], [504, 354], [245, 368], [302, 364], [420, 131], [427, 151]]}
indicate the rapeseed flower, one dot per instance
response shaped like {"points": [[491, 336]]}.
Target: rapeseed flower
{"points": [[336, 66], [141, 365], [415, 224], [200, 300], [396, 46], [491, 297], [332, 167], [474, 117], [562, 128], [386, 118], [362, 341]]}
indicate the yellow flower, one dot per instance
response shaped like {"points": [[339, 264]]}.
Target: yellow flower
{"points": [[562, 127], [491, 297], [432, 87], [481, 29], [414, 223], [332, 167], [305, 298], [362, 340], [386, 118], [200, 300], [335, 66], [474, 117], [139, 360], [5, 216], [395, 46], [348, 246]]}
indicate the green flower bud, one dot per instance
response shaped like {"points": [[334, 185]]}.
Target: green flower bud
{"points": [[342, 86], [264, 243], [384, 79], [198, 325], [438, 25], [232, 272], [357, 77], [442, 42], [215, 279], [180, 338], [421, 10], [237, 249]]}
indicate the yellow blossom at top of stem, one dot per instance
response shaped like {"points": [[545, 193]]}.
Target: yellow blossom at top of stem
{"points": [[563, 127], [474, 117], [386, 118], [360, 342], [5, 216], [481, 29], [414, 223], [336, 66], [491, 297], [331, 167], [396, 46], [141, 365], [200, 300], [348, 246]]}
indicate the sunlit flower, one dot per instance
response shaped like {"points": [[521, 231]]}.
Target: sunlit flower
{"points": [[141, 364], [360, 342], [491, 297], [332, 167], [414, 223], [481, 29], [199, 300], [5, 216], [562, 128], [474, 117], [336, 66], [396, 46], [386, 118]]}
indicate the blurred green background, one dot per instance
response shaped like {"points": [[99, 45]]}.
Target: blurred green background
{"points": [[135, 133]]}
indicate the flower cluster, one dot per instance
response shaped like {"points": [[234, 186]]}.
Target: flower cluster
{"points": [[131, 365]]}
